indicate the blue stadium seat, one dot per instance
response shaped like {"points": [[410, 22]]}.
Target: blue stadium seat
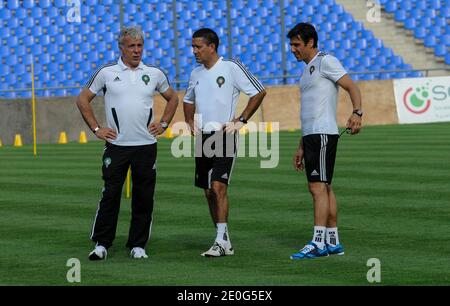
{"points": [[430, 13], [13, 22], [440, 50], [13, 4], [349, 63], [345, 44], [329, 45], [4, 70], [92, 38], [20, 13], [339, 53], [44, 59], [420, 32], [381, 60], [355, 53], [447, 58], [434, 4], [444, 12], [430, 41], [445, 40], [4, 32], [28, 3], [36, 12], [44, 40], [99, 10], [45, 3], [420, 4], [5, 14], [52, 12], [410, 24], [390, 6]]}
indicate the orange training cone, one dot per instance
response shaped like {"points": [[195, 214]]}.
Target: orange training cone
{"points": [[62, 138], [83, 138], [18, 140]]}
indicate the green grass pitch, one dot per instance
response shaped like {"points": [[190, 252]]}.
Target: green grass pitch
{"points": [[392, 184]]}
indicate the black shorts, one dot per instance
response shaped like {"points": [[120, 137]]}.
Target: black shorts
{"points": [[214, 159], [320, 155]]}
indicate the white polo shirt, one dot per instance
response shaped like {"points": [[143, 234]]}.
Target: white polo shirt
{"points": [[215, 91], [319, 95], [129, 99]]}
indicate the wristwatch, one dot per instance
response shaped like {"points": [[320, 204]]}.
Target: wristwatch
{"points": [[96, 129], [243, 120], [164, 124], [358, 112]]}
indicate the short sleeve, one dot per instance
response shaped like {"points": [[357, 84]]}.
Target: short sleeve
{"points": [[97, 81], [244, 80], [163, 82], [189, 96], [332, 69]]}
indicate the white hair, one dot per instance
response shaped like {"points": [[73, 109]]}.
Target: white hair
{"points": [[133, 31]]}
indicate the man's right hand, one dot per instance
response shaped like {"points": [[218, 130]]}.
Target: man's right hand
{"points": [[298, 160], [194, 129], [106, 134]]}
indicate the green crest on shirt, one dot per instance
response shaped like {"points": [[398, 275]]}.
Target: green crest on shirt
{"points": [[145, 79], [220, 81]]}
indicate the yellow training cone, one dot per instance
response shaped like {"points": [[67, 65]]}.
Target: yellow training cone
{"points": [[18, 141], [62, 138], [83, 138], [269, 127], [243, 130], [0, 142], [169, 133]]}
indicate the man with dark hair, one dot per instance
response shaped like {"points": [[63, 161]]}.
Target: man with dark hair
{"points": [[316, 153], [130, 137], [213, 93]]}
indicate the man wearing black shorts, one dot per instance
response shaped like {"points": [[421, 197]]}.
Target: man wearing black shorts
{"points": [[212, 94], [316, 153]]}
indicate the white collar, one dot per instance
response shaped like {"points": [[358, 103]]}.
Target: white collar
{"points": [[125, 67], [314, 58]]}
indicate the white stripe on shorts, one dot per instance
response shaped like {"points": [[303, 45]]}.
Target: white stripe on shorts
{"points": [[323, 155]]}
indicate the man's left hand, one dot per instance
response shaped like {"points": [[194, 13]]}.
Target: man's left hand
{"points": [[156, 129], [354, 124], [233, 126]]}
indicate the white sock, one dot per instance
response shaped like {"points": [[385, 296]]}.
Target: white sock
{"points": [[222, 232], [332, 236], [319, 236]]}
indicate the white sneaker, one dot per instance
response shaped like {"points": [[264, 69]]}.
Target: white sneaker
{"points": [[99, 253], [219, 249], [138, 252]]}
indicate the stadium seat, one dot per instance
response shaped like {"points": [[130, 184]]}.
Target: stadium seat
{"points": [[420, 32], [28, 3], [390, 6], [447, 58], [430, 41], [52, 12], [445, 40], [440, 50], [13, 4]]}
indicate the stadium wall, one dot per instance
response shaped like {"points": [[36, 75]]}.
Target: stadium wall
{"points": [[281, 104]]}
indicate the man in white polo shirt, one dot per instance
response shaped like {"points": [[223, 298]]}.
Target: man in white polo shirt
{"points": [[316, 153], [213, 94], [130, 135]]}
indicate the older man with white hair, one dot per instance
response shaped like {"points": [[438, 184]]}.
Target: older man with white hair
{"points": [[130, 139]]}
